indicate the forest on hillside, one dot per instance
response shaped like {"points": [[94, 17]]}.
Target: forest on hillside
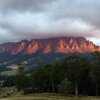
{"points": [[74, 75]]}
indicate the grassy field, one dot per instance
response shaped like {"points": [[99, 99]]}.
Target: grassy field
{"points": [[48, 97], [15, 95], [9, 73]]}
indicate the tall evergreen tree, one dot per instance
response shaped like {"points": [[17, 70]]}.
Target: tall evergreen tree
{"points": [[22, 80], [96, 71], [76, 66]]}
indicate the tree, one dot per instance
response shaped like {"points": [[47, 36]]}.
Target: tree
{"points": [[50, 73], [9, 81], [43, 77], [95, 72], [22, 80], [39, 79], [76, 66], [0, 85], [66, 87]]}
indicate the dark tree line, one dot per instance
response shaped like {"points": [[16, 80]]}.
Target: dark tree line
{"points": [[74, 75]]}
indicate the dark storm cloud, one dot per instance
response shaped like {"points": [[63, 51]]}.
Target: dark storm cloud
{"points": [[20, 19]]}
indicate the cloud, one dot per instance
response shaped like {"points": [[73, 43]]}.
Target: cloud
{"points": [[23, 5], [26, 19]]}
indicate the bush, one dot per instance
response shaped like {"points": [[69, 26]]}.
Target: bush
{"points": [[66, 87]]}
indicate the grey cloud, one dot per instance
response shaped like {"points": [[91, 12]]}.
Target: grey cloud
{"points": [[86, 10], [49, 18], [23, 5]]}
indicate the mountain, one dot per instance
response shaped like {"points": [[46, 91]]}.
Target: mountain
{"points": [[43, 51], [50, 45]]}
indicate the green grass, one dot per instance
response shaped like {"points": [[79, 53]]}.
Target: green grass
{"points": [[37, 96], [9, 73], [48, 97]]}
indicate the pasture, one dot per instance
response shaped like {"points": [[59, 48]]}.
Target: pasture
{"points": [[45, 96]]}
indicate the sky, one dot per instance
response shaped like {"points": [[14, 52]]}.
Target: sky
{"points": [[33, 19]]}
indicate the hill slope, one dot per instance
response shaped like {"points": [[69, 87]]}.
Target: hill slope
{"points": [[42, 51]]}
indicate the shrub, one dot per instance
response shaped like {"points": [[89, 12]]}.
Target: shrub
{"points": [[66, 87]]}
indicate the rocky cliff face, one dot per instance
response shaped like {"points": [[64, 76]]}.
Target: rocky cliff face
{"points": [[51, 45]]}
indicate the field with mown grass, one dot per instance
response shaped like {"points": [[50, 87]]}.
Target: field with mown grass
{"points": [[47, 97], [9, 73], [12, 94]]}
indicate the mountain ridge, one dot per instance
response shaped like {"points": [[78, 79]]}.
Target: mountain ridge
{"points": [[50, 45]]}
